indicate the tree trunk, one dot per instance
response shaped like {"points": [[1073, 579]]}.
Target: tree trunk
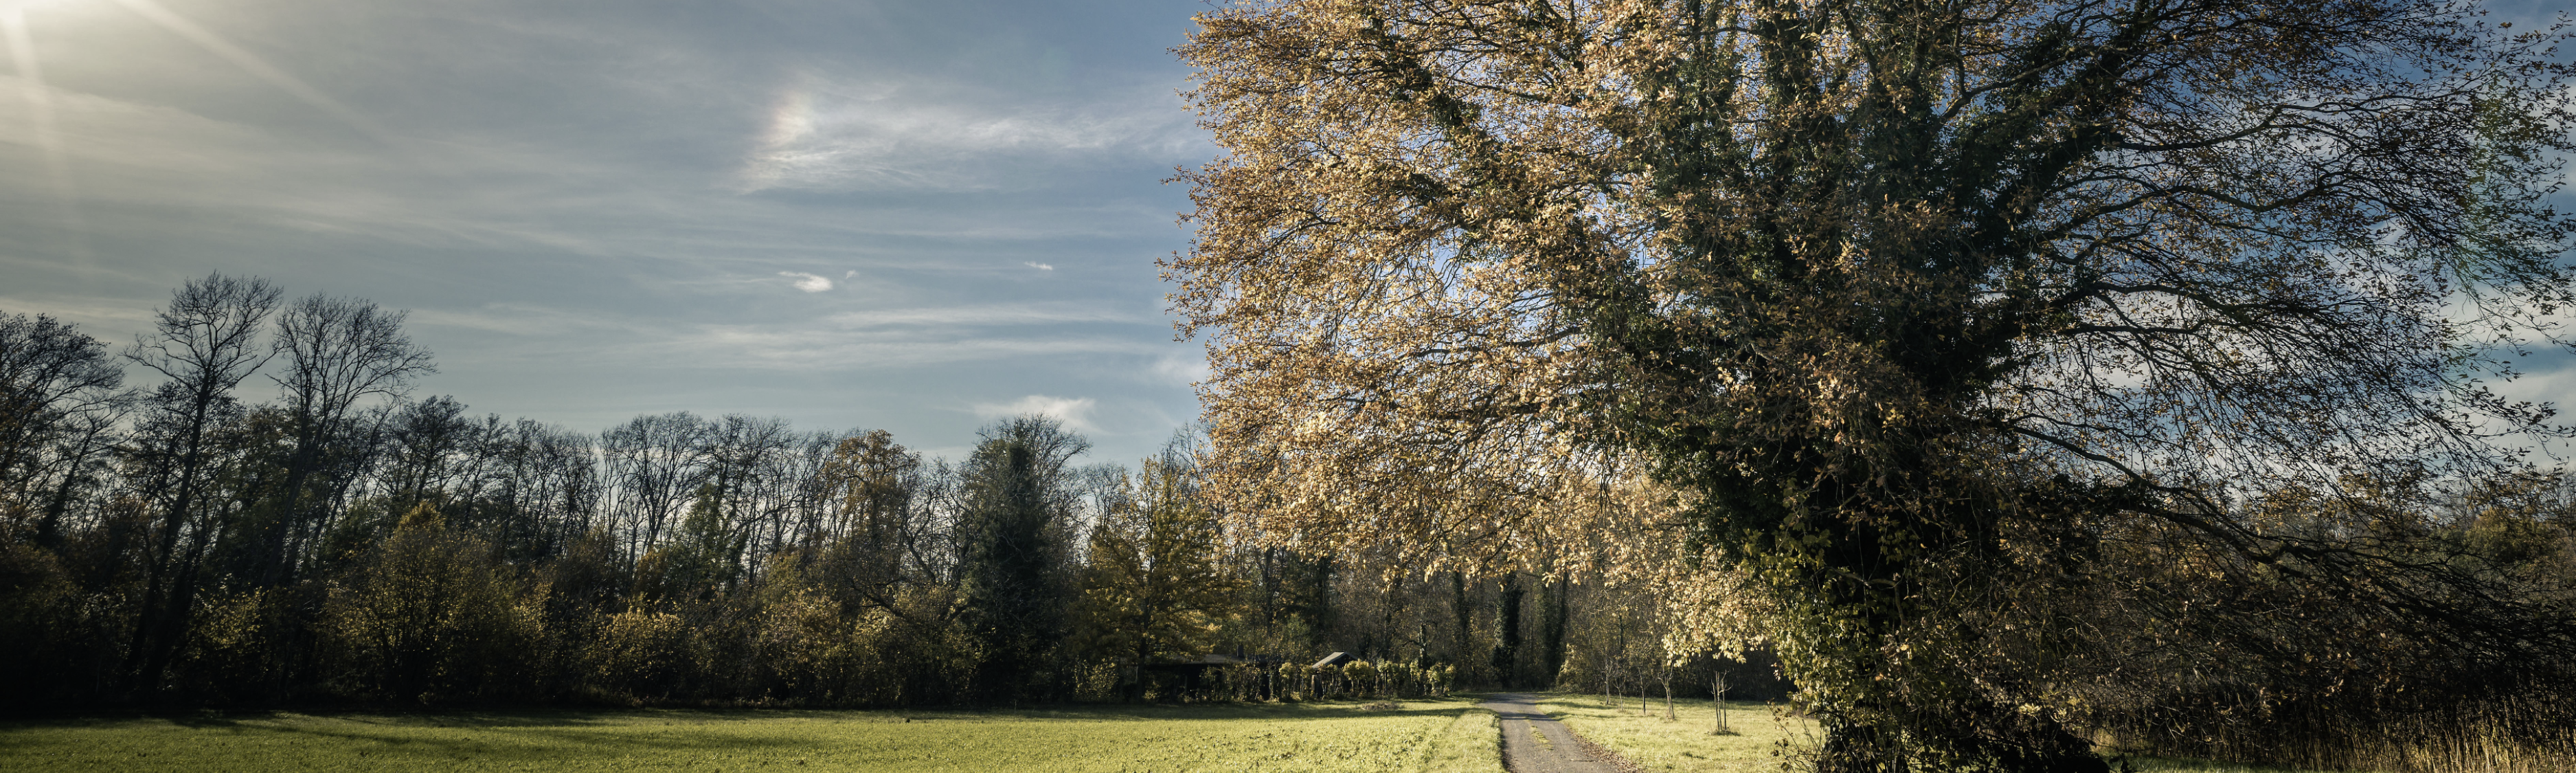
{"points": [[1551, 612], [1507, 655], [1717, 699]]}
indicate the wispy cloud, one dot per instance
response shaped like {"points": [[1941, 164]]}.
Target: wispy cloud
{"points": [[834, 137], [558, 192], [1075, 412], [113, 319], [744, 346], [517, 319], [261, 68], [809, 282], [873, 340], [989, 315], [898, 338], [522, 196], [1182, 370]]}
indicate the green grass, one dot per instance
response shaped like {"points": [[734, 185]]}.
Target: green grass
{"points": [[1473, 743], [1655, 743], [1442, 736], [1684, 744]]}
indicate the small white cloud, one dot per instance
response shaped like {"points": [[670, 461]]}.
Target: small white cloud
{"points": [[809, 282], [1075, 412], [1038, 266], [1182, 370], [849, 276]]}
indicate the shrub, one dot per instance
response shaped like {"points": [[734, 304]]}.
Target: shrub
{"points": [[427, 614], [640, 654]]}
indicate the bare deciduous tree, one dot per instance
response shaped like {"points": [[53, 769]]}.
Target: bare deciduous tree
{"points": [[205, 343], [58, 402], [338, 351]]}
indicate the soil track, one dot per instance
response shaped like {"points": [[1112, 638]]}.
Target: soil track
{"points": [[1534, 742]]}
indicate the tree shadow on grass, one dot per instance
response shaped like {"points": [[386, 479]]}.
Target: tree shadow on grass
{"points": [[585, 739], [551, 717], [562, 736], [1314, 710]]}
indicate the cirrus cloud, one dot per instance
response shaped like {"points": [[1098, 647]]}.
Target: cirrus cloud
{"points": [[827, 137], [808, 282], [1075, 412]]}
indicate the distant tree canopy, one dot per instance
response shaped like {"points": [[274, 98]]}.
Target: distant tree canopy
{"points": [[1017, 530], [1153, 587], [1922, 311], [210, 537]]}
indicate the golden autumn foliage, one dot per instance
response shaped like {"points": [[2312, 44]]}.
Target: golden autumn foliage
{"points": [[1910, 309]]}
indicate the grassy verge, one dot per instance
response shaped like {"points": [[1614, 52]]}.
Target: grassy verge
{"points": [[1685, 744], [2179, 765], [1658, 744], [1472, 743], [1446, 736]]}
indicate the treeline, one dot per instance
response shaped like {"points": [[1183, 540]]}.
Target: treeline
{"points": [[186, 541]]}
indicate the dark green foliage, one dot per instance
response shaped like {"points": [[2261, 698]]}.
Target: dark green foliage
{"points": [[1507, 652], [1014, 543]]}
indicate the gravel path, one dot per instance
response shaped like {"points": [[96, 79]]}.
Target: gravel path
{"points": [[1524, 751]]}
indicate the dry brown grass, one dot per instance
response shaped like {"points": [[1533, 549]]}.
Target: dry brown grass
{"points": [[2518, 736]]}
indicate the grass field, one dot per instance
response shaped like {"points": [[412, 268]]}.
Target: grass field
{"points": [[1445, 736], [1442, 736], [1683, 744]]}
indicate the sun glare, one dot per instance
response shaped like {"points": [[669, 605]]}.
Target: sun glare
{"points": [[40, 112], [17, 6]]}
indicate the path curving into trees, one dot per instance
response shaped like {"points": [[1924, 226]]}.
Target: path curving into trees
{"points": [[1534, 742]]}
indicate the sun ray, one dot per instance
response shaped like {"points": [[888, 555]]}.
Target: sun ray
{"points": [[257, 67], [40, 111]]}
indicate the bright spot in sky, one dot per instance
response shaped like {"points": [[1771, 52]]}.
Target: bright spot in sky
{"points": [[13, 6], [1039, 266], [1075, 412], [809, 282]]}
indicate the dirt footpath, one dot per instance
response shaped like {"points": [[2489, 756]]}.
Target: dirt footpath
{"points": [[1536, 743]]}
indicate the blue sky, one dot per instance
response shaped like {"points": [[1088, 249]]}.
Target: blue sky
{"points": [[916, 216], [912, 216]]}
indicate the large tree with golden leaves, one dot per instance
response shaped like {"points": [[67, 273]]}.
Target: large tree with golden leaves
{"points": [[1905, 299]]}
